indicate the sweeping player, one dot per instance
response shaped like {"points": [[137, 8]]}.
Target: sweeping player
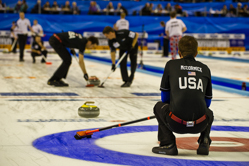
{"points": [[174, 29], [186, 93], [60, 42], [125, 40]]}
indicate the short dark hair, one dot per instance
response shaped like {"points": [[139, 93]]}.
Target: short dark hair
{"points": [[188, 46], [122, 15], [162, 23], [172, 14], [93, 39], [108, 29]]}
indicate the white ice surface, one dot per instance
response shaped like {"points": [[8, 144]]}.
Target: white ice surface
{"points": [[115, 103]]}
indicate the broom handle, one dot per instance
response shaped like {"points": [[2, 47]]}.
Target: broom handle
{"points": [[13, 45], [119, 61], [121, 124]]}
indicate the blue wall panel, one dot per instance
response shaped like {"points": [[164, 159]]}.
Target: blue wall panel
{"points": [[79, 23]]}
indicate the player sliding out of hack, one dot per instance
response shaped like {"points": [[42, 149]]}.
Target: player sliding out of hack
{"points": [[71, 40], [186, 93], [126, 41]]}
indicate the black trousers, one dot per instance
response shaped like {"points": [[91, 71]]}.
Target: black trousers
{"points": [[165, 47], [123, 64], [166, 125], [33, 54], [61, 50], [12, 42], [22, 40]]}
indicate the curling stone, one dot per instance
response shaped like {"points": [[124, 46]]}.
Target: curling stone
{"points": [[88, 110], [94, 80]]}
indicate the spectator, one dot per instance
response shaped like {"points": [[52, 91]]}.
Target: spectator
{"points": [[67, 5], [168, 8], [159, 9], [178, 9], [18, 7], [151, 7], [75, 8], [55, 8], [37, 7], [55, 5], [24, 6], [97, 6], [93, 9], [239, 9], [146, 10], [245, 11], [232, 11], [224, 10], [66, 8], [46, 8], [110, 9], [120, 9], [2, 5]]}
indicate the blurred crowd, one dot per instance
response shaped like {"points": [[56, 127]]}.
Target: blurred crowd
{"points": [[109, 10], [148, 9], [241, 11], [47, 8]]}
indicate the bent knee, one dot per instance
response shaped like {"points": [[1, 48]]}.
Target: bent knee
{"points": [[159, 105]]}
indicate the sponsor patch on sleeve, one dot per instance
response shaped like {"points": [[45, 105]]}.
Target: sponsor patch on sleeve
{"points": [[132, 34], [116, 44]]}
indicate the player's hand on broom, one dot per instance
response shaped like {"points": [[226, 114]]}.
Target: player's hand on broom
{"points": [[113, 67], [86, 77], [72, 51]]}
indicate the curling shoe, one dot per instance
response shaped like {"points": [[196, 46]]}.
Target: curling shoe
{"points": [[170, 149], [33, 59], [126, 84], [56, 83], [203, 148], [43, 61]]}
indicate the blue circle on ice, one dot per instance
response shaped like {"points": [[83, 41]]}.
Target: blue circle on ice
{"points": [[64, 144]]}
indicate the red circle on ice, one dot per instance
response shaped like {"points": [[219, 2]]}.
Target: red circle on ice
{"points": [[190, 143]]}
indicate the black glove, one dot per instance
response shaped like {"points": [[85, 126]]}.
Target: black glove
{"points": [[86, 77], [113, 67]]}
